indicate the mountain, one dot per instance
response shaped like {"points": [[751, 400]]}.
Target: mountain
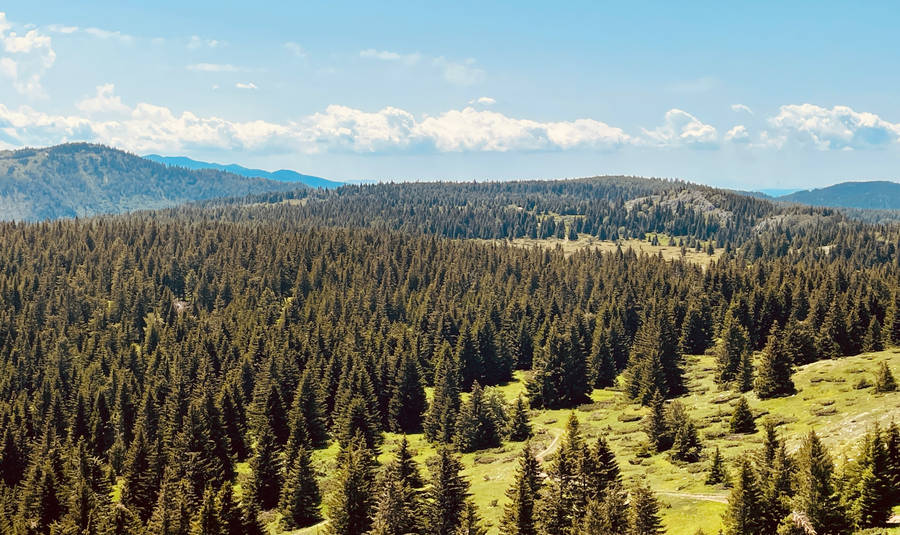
{"points": [[873, 195], [283, 175], [81, 179]]}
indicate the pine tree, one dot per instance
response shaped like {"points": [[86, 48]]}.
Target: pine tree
{"points": [[396, 507], [207, 521], [470, 521], [306, 401], [696, 329], [735, 345], [643, 511], [815, 495], [140, 479], [560, 371], [685, 441], [744, 513], [230, 513], [773, 375], [884, 379], [252, 524], [264, 486], [446, 498], [606, 471], [475, 426], [441, 416], [405, 467], [872, 493], [656, 425], [654, 364], [12, 459], [717, 474], [606, 514], [300, 498], [874, 340], [744, 381], [519, 514], [742, 420], [358, 420], [893, 334], [408, 402], [351, 503], [602, 366], [519, 428]]}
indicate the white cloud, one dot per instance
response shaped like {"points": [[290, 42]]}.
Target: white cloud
{"points": [[738, 134], [680, 128], [384, 55], [100, 33], [248, 85], [196, 42], [105, 101], [741, 108], [59, 28], [26, 58], [463, 73], [484, 101], [213, 67], [838, 128], [295, 49]]}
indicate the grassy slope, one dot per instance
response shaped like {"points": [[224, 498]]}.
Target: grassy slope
{"points": [[826, 401]]}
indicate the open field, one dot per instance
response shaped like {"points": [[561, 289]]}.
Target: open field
{"points": [[827, 401], [667, 247]]}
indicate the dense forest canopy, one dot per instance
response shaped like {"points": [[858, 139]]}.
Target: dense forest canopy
{"points": [[144, 357]]}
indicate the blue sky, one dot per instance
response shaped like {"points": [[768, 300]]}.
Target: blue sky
{"points": [[755, 96]]}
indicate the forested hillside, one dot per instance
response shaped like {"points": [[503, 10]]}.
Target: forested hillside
{"points": [[870, 195], [79, 179], [233, 367]]}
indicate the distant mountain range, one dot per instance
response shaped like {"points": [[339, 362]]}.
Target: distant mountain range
{"points": [[81, 179], [284, 175], [872, 195]]}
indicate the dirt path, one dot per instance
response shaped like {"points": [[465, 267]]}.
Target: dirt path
{"points": [[718, 498], [549, 449]]}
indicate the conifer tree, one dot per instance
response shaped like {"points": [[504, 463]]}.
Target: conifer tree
{"points": [[470, 521], [350, 505], [12, 459], [396, 509], [742, 420], [264, 487], [207, 521], [307, 402], [717, 474], [606, 471], [744, 381], [815, 495], [405, 467], [441, 416], [475, 426], [298, 437], [884, 379], [773, 375], [893, 334], [607, 514], [230, 513], [643, 511], [871, 495], [519, 513], [408, 402], [560, 371], [744, 513], [252, 524], [602, 366], [874, 339], [234, 421], [735, 345], [654, 364], [139, 478], [656, 425], [447, 496], [519, 428], [685, 441], [357, 420], [300, 498]]}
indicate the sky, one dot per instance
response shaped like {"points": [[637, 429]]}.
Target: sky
{"points": [[752, 96]]}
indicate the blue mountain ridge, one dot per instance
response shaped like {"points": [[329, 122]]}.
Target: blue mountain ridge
{"points": [[283, 175]]}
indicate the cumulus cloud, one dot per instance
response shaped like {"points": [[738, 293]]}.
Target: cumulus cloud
{"points": [[484, 101], [295, 49], [838, 128], [741, 108], [384, 55], [738, 134], [248, 85], [104, 101], [680, 128], [25, 58], [100, 33], [213, 67], [196, 42]]}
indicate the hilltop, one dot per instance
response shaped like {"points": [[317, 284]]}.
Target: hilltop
{"points": [[282, 175]]}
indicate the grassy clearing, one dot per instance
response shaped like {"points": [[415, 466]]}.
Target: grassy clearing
{"points": [[667, 247], [827, 401]]}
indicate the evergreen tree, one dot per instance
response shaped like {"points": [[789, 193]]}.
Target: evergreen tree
{"points": [[408, 402], [519, 514], [207, 521], [358, 420], [602, 366], [606, 514], [476, 428], [871, 492], [742, 420], [773, 375], [252, 524], [560, 375], [744, 381], [605, 473], [405, 467], [446, 498], [264, 487], [884, 379], [696, 329], [396, 507], [654, 364], [12, 459], [874, 340], [230, 513], [717, 474], [441, 416], [140, 478], [643, 511], [519, 428], [893, 334], [685, 441], [306, 401], [350, 505], [735, 345], [656, 425], [300, 498], [744, 513], [815, 496], [470, 521]]}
